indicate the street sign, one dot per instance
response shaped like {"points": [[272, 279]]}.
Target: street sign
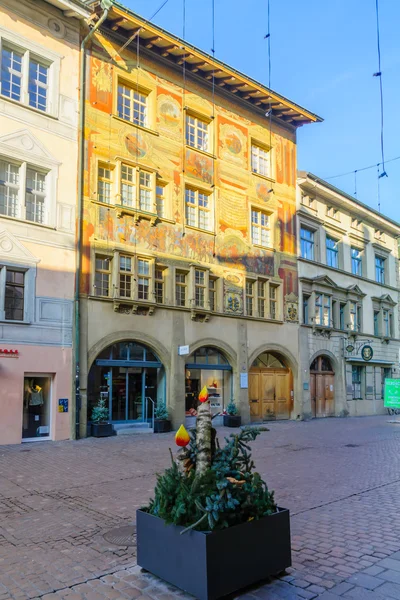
{"points": [[392, 393]]}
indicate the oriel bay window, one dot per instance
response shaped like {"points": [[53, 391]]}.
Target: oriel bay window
{"points": [[146, 191], [102, 277], [261, 297], [198, 209], [128, 185], [273, 301], [250, 297], [180, 288], [125, 276], [160, 199], [199, 287], [212, 293], [159, 290], [144, 279]]}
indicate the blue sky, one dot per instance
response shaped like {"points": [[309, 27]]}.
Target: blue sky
{"points": [[323, 57]]}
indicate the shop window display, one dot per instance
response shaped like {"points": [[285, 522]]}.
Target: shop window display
{"points": [[36, 412]]}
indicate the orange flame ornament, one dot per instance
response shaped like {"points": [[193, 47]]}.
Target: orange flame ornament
{"points": [[182, 437], [203, 396]]}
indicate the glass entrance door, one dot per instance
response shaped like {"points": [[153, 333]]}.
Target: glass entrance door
{"points": [[135, 396]]}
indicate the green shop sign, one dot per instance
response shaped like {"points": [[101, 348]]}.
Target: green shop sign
{"points": [[392, 393]]}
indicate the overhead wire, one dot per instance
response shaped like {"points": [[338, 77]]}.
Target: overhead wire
{"points": [[363, 169], [269, 112], [137, 32], [379, 75], [183, 188], [213, 123]]}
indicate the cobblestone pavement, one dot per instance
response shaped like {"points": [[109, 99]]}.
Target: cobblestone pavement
{"points": [[339, 477]]}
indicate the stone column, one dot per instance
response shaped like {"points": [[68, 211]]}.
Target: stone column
{"points": [[241, 396], [176, 376]]}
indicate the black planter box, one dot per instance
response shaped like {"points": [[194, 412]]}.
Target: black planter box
{"points": [[102, 429], [162, 425], [211, 565], [232, 420]]}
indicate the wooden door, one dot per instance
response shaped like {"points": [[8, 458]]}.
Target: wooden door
{"points": [[268, 394], [329, 395], [282, 395], [254, 396], [312, 395], [320, 395]]}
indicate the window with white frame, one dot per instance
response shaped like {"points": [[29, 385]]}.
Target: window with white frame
{"points": [[273, 301], [199, 287], [180, 288], [260, 228], [355, 316], [198, 208], [196, 132], [159, 285], [322, 310], [307, 243], [261, 297], [23, 191], [146, 191], [160, 199], [132, 105], [128, 185], [25, 76], [260, 160], [250, 297], [212, 293], [104, 183], [144, 279], [332, 252], [102, 276], [125, 276]]}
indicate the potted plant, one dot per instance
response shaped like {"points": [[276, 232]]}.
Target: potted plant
{"points": [[231, 417], [213, 526], [100, 425], [161, 422]]}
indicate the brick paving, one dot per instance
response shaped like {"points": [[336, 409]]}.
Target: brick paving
{"points": [[339, 477]]}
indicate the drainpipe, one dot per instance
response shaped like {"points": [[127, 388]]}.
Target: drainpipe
{"points": [[106, 6]]}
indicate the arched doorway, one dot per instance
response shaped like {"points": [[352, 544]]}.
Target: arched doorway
{"points": [[208, 367], [270, 388], [322, 387], [131, 378]]}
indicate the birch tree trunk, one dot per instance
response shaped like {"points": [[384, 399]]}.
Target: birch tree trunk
{"points": [[203, 438]]}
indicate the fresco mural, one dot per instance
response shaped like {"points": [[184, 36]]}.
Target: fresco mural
{"points": [[229, 248]]}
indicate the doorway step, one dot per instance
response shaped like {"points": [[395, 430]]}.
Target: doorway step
{"points": [[132, 428]]}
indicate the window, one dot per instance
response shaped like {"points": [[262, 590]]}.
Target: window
{"points": [[128, 185], [261, 298], [212, 293], [180, 288], [199, 287], [102, 276], [332, 252], [249, 298], [145, 191], [25, 77], [17, 181], [104, 184], [307, 243], [159, 285], [125, 276], [198, 212], [356, 262], [379, 269], [196, 133], [260, 228], [355, 317], [273, 301], [14, 295], [356, 378], [322, 310], [376, 322], [305, 309], [132, 105], [260, 161], [143, 279], [342, 307], [386, 324], [160, 200]]}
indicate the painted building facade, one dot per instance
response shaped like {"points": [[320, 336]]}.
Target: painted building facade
{"points": [[189, 236], [349, 290], [39, 46]]}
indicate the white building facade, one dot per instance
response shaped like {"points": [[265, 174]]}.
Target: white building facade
{"points": [[349, 298]]}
